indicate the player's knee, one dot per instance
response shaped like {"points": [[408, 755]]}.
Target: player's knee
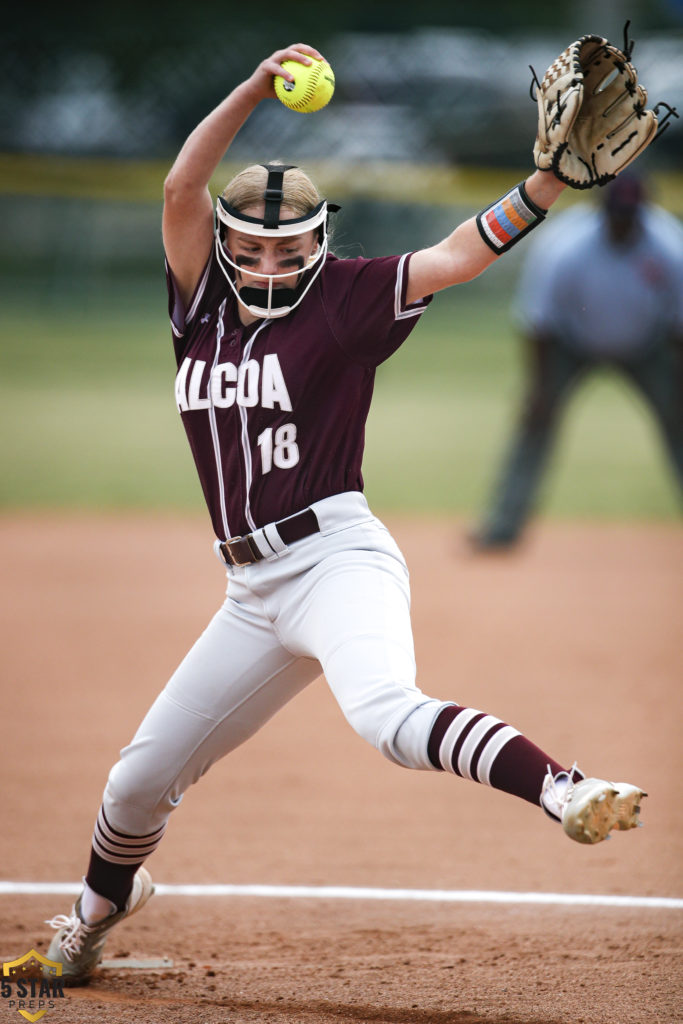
{"points": [[385, 741], [363, 724], [132, 805], [408, 743], [402, 736]]}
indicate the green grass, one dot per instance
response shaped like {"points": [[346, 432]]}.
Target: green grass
{"points": [[88, 418], [444, 411], [87, 410]]}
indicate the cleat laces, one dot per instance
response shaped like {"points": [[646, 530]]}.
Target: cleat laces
{"points": [[75, 933], [554, 798]]}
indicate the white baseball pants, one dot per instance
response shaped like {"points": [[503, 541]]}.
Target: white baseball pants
{"points": [[336, 602]]}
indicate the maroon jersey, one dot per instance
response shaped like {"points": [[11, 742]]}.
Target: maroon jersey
{"points": [[275, 411]]}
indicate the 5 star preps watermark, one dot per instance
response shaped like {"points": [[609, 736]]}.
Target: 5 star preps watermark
{"points": [[31, 985]]}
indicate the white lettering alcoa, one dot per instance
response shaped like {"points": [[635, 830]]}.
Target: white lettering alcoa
{"points": [[247, 385]]}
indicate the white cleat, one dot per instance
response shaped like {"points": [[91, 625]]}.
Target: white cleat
{"points": [[591, 808], [628, 806], [78, 946]]}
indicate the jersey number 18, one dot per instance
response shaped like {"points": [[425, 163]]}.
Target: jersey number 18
{"points": [[279, 449]]}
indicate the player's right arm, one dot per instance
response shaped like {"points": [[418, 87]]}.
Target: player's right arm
{"points": [[187, 223]]}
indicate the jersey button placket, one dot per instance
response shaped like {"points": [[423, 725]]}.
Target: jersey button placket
{"points": [[235, 339]]}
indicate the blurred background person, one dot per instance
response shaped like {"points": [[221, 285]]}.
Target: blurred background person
{"points": [[602, 288]]}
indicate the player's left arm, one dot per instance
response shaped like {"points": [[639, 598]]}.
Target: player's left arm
{"points": [[463, 255]]}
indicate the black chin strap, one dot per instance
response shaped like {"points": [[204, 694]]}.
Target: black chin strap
{"points": [[273, 195]]}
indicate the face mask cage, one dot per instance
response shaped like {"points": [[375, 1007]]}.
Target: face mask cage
{"points": [[271, 301]]}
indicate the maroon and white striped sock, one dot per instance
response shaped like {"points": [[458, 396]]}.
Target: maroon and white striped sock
{"points": [[115, 857], [117, 847], [480, 747]]}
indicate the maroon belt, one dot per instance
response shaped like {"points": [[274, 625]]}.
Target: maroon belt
{"points": [[245, 551]]}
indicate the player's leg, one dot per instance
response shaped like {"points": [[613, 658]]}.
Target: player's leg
{"points": [[658, 375], [553, 371], [232, 681], [353, 616]]}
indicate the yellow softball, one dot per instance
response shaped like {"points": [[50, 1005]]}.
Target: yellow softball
{"points": [[311, 89]]}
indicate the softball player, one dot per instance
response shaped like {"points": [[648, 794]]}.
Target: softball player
{"points": [[277, 342]]}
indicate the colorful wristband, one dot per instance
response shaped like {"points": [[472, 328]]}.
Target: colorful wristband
{"points": [[503, 223]]}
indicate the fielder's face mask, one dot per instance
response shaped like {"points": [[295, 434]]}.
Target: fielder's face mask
{"points": [[271, 301]]}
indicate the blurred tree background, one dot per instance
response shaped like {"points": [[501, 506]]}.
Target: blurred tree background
{"points": [[431, 120]]}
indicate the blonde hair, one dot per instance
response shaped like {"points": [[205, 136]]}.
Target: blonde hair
{"points": [[247, 189]]}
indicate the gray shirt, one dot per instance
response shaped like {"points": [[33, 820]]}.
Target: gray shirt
{"points": [[603, 299]]}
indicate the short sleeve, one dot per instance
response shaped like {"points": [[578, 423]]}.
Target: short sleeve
{"points": [[365, 306], [539, 302], [182, 318]]}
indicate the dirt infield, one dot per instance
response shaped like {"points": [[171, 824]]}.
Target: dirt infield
{"points": [[575, 639]]}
